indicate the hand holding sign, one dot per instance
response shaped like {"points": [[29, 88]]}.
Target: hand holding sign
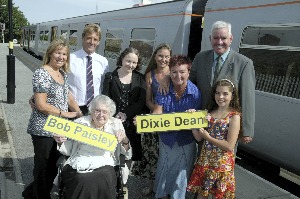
{"points": [[171, 121], [59, 138]]}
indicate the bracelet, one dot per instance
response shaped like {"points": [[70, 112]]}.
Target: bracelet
{"points": [[59, 113]]}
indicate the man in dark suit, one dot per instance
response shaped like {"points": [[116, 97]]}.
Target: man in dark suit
{"points": [[233, 66]]}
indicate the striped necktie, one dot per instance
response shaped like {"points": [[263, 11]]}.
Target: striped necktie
{"points": [[89, 81], [218, 67]]}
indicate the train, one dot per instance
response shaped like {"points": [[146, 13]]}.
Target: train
{"points": [[266, 31]]}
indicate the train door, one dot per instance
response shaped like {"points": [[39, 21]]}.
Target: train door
{"points": [[31, 40], [196, 27], [53, 33]]}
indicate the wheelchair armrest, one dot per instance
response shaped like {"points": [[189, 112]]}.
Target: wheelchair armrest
{"points": [[61, 160]]}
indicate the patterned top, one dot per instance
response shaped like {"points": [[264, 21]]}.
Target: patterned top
{"points": [[213, 156], [191, 99], [57, 96], [214, 170]]}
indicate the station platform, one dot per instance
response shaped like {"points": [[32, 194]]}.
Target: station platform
{"points": [[16, 151]]}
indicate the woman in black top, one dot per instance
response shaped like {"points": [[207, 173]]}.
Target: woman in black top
{"points": [[127, 88]]}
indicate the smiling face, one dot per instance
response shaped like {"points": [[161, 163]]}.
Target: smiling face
{"points": [[100, 115], [58, 57], [130, 62], [220, 40], [162, 58], [179, 74], [90, 42], [223, 96]]}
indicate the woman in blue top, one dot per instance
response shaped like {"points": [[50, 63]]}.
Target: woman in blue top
{"points": [[177, 149]]}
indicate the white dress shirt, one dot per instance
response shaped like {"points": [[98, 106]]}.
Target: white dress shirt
{"points": [[77, 76]]}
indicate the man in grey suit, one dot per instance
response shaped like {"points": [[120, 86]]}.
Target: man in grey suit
{"points": [[233, 66]]}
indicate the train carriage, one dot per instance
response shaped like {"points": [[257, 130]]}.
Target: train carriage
{"points": [[267, 31]]}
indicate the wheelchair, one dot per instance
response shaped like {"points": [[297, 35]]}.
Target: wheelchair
{"points": [[118, 169]]}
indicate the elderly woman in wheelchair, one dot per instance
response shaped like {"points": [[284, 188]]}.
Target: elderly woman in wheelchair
{"points": [[89, 171]]}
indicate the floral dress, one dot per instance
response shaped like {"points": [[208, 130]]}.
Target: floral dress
{"points": [[214, 170]]}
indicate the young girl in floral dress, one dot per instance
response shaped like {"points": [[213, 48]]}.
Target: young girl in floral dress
{"points": [[213, 172]]}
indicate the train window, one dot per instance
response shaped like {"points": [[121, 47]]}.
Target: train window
{"points": [[143, 40], [33, 35], [143, 33], [41, 35], [63, 34], [275, 52], [46, 35], [73, 38], [272, 36], [113, 43]]}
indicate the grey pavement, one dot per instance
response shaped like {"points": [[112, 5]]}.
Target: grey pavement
{"points": [[16, 150]]}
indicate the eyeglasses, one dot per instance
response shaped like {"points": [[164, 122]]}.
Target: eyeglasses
{"points": [[104, 112]]}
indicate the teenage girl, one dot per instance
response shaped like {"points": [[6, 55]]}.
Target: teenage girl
{"points": [[214, 170]]}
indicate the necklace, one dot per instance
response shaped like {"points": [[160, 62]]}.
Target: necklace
{"points": [[179, 94], [54, 71]]}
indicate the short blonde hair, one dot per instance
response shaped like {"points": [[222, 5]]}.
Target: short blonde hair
{"points": [[91, 28]]}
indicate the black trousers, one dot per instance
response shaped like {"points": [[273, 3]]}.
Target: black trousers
{"points": [[44, 171], [135, 141]]}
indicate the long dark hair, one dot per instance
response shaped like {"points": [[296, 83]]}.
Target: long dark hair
{"points": [[234, 103]]}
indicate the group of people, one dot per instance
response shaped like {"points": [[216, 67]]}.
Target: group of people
{"points": [[80, 87]]}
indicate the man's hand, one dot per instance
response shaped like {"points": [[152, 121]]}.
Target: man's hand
{"points": [[31, 102], [246, 139]]}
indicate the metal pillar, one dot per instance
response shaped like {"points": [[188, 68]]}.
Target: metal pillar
{"points": [[10, 61]]}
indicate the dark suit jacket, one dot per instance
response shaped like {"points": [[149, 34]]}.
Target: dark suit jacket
{"points": [[236, 68], [137, 94]]}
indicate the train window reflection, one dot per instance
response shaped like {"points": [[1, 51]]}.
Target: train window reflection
{"points": [[273, 36], [73, 40], [63, 34], [113, 43], [143, 40], [41, 35], [143, 33], [277, 67], [46, 35]]}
